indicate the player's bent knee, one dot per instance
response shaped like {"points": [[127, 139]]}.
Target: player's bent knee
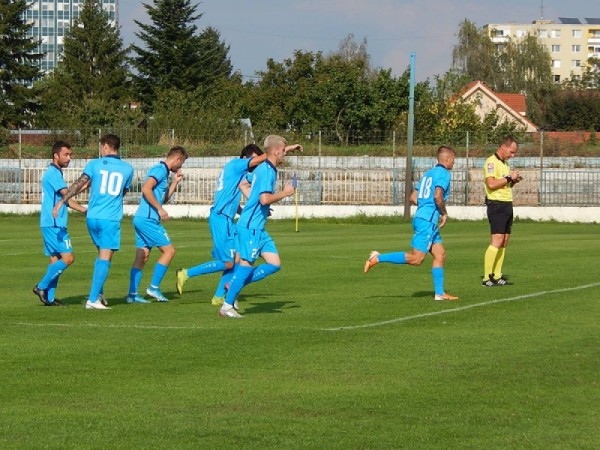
{"points": [[68, 258], [228, 265]]}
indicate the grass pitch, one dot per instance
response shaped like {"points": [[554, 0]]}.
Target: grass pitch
{"points": [[326, 357]]}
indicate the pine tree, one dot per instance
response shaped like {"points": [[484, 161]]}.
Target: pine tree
{"points": [[89, 85], [18, 67], [175, 56]]}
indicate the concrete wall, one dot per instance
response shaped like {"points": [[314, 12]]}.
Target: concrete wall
{"points": [[559, 214]]}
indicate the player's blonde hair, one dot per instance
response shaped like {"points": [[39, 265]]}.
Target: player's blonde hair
{"points": [[273, 140]]}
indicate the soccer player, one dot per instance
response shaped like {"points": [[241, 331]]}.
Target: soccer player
{"points": [[253, 240], [149, 232], [499, 181], [430, 196], [109, 178], [57, 243], [222, 227]]}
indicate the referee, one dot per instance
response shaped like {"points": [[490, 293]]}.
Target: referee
{"points": [[499, 181]]}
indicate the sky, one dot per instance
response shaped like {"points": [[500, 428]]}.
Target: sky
{"points": [[257, 30]]}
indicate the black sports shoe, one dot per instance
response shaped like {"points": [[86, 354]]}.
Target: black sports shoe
{"points": [[41, 295], [55, 302], [502, 282], [489, 283]]}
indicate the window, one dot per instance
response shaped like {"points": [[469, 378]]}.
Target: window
{"points": [[576, 63], [555, 48], [521, 33], [576, 48], [557, 78], [555, 33], [543, 33], [576, 33], [556, 63]]}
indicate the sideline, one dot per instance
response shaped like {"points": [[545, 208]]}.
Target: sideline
{"points": [[462, 308]]}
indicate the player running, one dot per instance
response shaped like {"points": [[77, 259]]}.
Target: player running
{"points": [[149, 232], [253, 240], [430, 196], [222, 227]]}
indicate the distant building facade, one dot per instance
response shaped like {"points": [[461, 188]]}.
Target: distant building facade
{"points": [[511, 108], [50, 20], [570, 42]]}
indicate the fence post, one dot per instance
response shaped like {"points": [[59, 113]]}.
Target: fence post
{"points": [[319, 149], [20, 178], [541, 167], [394, 149], [467, 172]]}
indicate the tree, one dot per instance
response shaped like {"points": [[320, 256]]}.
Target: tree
{"points": [[475, 55], [89, 86], [525, 65], [18, 67], [521, 64], [214, 54], [174, 55]]}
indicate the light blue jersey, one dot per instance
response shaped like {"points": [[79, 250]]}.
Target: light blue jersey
{"points": [[254, 215], [427, 210], [160, 172], [52, 183], [111, 177], [227, 192]]}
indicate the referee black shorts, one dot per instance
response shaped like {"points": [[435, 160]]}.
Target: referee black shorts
{"points": [[500, 216]]}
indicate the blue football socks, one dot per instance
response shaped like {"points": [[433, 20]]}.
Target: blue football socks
{"points": [[101, 268], [54, 270], [394, 258], [159, 273], [135, 276], [240, 275], [438, 280], [261, 272], [225, 278], [207, 267]]}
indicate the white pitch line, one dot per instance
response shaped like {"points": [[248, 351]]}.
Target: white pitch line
{"points": [[96, 325], [462, 308]]}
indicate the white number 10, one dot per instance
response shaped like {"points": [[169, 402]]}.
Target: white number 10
{"points": [[111, 182]]}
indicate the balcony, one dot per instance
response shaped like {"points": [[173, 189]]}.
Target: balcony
{"points": [[594, 40]]}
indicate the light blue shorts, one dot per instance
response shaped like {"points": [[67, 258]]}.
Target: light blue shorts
{"points": [[222, 230], [426, 234], [56, 241], [105, 234], [149, 233], [253, 243]]}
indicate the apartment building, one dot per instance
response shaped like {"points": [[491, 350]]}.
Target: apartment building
{"points": [[570, 41], [52, 18]]}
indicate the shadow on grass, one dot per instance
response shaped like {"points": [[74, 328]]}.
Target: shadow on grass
{"points": [[274, 307]]}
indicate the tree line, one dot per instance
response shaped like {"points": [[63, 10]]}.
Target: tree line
{"points": [[181, 77]]}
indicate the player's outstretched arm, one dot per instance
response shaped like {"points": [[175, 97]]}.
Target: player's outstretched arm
{"points": [[293, 148]]}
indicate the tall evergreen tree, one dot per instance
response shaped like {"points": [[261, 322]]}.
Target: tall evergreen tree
{"points": [[214, 55], [174, 55], [89, 85], [18, 67]]}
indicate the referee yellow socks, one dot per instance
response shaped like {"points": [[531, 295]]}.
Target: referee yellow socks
{"points": [[489, 261]]}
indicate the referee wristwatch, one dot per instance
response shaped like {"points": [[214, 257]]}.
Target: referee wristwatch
{"points": [[508, 179]]}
